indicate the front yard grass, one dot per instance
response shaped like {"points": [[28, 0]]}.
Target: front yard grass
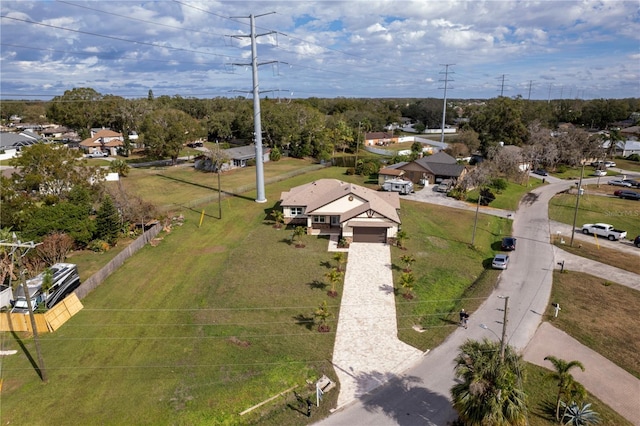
{"points": [[600, 314], [510, 197], [541, 397], [601, 254], [622, 214]]}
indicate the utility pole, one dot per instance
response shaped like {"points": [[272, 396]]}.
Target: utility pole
{"points": [[504, 327], [529, 96], [575, 213], [444, 104], [502, 85], [34, 327], [475, 221], [257, 124]]}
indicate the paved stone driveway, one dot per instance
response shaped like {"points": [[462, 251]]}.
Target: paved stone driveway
{"points": [[367, 352]]}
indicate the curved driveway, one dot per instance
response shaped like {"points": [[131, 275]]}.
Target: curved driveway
{"points": [[421, 394]]}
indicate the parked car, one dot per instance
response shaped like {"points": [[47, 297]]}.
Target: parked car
{"points": [[500, 261], [626, 194], [604, 230], [619, 182], [609, 164], [508, 243], [633, 182], [541, 172], [97, 154], [600, 173], [597, 163], [636, 242]]}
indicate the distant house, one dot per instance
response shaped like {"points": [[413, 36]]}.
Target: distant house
{"points": [[357, 213], [433, 169], [102, 140], [55, 132], [379, 139], [391, 172], [11, 143], [238, 157], [627, 148]]}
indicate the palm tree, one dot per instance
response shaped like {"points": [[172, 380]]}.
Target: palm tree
{"points": [[579, 415], [322, 314], [278, 218], [120, 167], [339, 258], [406, 281], [401, 237], [565, 380], [334, 276], [490, 391], [407, 259], [298, 232]]}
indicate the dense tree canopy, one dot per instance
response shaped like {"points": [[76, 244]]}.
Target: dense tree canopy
{"points": [[167, 130]]}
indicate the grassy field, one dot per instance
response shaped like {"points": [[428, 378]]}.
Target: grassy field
{"points": [[633, 166], [218, 318], [601, 315], [623, 214]]}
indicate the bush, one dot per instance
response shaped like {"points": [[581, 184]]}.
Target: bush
{"points": [[499, 184], [562, 168], [634, 157], [275, 154], [99, 246], [458, 194]]}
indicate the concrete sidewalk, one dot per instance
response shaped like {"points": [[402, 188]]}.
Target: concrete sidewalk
{"points": [[610, 383], [367, 352]]}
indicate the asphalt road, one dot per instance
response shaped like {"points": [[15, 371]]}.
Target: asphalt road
{"points": [[421, 395]]}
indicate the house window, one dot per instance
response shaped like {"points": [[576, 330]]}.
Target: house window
{"points": [[296, 211], [319, 219]]}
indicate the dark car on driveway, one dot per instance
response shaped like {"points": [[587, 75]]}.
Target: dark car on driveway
{"points": [[633, 182], [508, 243], [541, 172], [636, 242], [629, 195]]}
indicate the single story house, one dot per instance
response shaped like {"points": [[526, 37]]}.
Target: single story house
{"points": [[379, 139], [433, 169], [11, 143], [391, 172], [627, 148], [103, 140], [238, 157], [357, 213]]}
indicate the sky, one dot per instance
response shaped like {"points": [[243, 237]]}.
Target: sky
{"points": [[544, 49]]}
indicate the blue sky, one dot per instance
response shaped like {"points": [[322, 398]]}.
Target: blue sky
{"points": [[367, 48]]}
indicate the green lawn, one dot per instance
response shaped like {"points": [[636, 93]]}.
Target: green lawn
{"points": [[541, 395], [217, 318], [623, 214], [633, 166], [510, 197]]}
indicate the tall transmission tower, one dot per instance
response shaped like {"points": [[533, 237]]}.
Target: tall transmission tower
{"points": [[502, 85], [444, 102], [257, 124], [530, 84]]}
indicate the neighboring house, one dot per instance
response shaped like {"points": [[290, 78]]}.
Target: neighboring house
{"points": [[379, 139], [627, 148], [103, 140], [12, 143], [238, 157], [390, 172], [55, 132], [357, 213], [433, 169]]}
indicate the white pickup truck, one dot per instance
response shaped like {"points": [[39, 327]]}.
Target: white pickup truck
{"points": [[604, 230]]}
